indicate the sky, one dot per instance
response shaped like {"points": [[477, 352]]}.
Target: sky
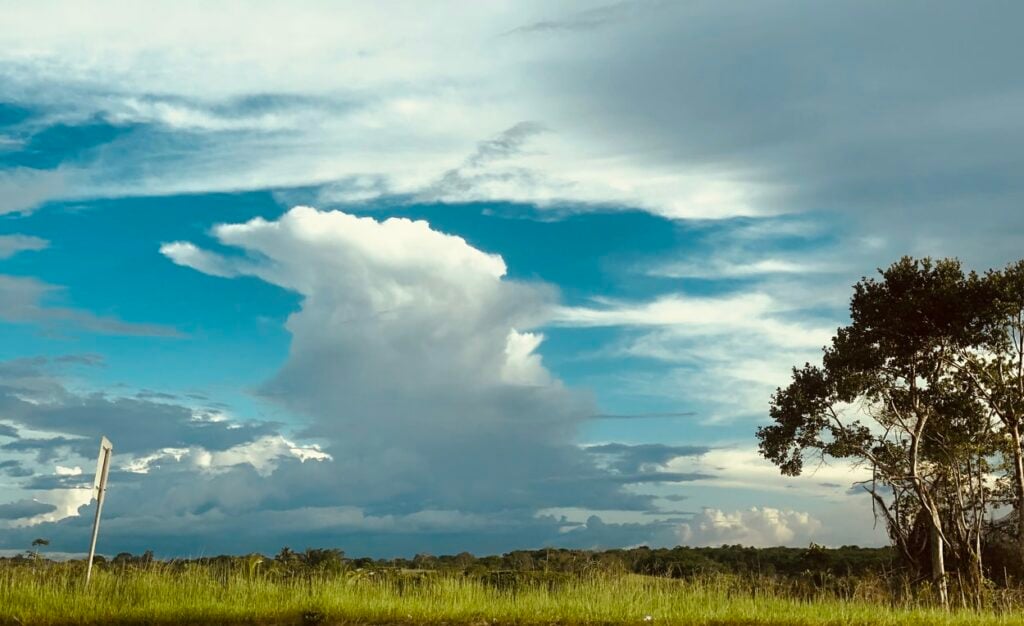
{"points": [[404, 278]]}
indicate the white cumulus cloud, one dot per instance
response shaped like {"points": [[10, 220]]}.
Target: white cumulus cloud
{"points": [[756, 526], [412, 358]]}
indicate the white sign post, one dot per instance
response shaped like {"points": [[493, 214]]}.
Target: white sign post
{"points": [[99, 491]]}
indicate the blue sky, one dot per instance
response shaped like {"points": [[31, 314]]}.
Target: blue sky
{"points": [[480, 278]]}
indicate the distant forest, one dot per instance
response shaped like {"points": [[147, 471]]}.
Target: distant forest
{"points": [[678, 562]]}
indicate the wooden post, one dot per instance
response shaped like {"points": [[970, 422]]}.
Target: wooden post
{"points": [[99, 491]]}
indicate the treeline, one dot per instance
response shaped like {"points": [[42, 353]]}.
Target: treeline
{"points": [[681, 561], [678, 562], [924, 391]]}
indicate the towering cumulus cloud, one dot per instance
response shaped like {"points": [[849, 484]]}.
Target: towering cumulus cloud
{"points": [[411, 359]]}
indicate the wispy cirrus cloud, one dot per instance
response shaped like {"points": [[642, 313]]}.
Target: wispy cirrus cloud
{"points": [[721, 354], [27, 300], [638, 122], [412, 114], [589, 19], [13, 244], [22, 189]]}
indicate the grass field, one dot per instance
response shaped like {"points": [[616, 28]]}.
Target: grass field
{"points": [[55, 595]]}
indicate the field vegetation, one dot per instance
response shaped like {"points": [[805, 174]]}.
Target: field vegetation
{"points": [[726, 586]]}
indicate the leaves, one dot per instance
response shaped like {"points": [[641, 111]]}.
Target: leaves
{"points": [[910, 389]]}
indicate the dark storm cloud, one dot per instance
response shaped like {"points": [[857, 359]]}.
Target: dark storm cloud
{"points": [[659, 477], [634, 478], [32, 397], [55, 481], [176, 514], [139, 426], [49, 449], [14, 469], [211, 532], [903, 117], [23, 509], [674, 497], [624, 458], [176, 508]]}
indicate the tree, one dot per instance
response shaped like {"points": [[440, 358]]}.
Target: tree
{"points": [[889, 397], [38, 543], [994, 368]]}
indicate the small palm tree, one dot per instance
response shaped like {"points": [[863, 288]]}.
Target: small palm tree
{"points": [[36, 544]]}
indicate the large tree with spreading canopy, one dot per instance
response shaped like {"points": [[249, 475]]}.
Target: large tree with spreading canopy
{"points": [[925, 387]]}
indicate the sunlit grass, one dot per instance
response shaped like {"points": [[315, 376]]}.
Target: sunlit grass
{"points": [[55, 595]]}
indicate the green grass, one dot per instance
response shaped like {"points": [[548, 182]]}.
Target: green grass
{"points": [[55, 595]]}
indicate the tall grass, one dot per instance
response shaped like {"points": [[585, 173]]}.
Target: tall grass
{"points": [[160, 594]]}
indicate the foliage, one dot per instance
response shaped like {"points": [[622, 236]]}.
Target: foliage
{"points": [[925, 388]]}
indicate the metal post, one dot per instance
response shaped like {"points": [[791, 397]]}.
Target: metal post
{"points": [[100, 489]]}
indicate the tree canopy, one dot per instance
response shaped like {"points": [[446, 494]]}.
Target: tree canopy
{"points": [[924, 387]]}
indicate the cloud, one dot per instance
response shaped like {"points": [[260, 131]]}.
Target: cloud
{"points": [[169, 457], [899, 148], [423, 409], [757, 526], [24, 509], [626, 458], [725, 353], [658, 115], [13, 244], [819, 166], [262, 454], [419, 119], [742, 468], [187, 254], [596, 534], [733, 269], [25, 300], [411, 357], [731, 313], [264, 113], [33, 397], [14, 469], [46, 449], [470, 180], [589, 19], [22, 190]]}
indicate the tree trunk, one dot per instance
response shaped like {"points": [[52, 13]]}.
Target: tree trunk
{"points": [[938, 563], [979, 577], [1018, 470]]}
